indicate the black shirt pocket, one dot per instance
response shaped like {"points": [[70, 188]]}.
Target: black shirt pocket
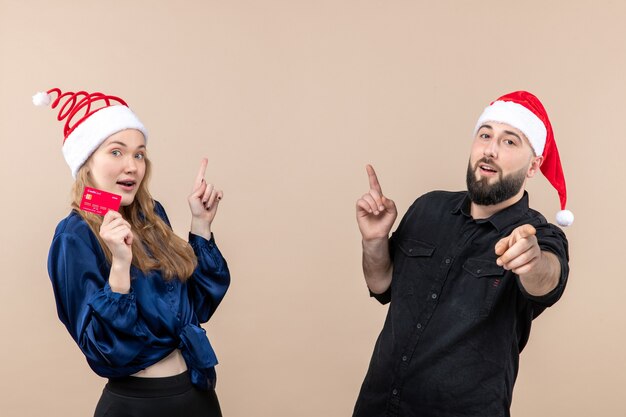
{"points": [[481, 280], [413, 272], [414, 248]]}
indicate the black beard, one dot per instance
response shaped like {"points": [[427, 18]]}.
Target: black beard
{"points": [[484, 194]]}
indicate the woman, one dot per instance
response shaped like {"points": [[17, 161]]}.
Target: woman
{"points": [[131, 293]]}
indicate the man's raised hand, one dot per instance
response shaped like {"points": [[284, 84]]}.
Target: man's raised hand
{"points": [[375, 213]]}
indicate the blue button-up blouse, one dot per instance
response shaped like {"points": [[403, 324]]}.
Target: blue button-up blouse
{"points": [[121, 334]]}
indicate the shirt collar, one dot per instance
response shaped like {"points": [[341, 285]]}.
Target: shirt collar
{"points": [[501, 219]]}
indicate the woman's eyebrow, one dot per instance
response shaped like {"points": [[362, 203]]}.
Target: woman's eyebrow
{"points": [[124, 145]]}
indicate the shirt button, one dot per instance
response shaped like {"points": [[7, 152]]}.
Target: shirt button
{"points": [[170, 287], [419, 325], [404, 358], [394, 392], [434, 296], [448, 261], [478, 271]]}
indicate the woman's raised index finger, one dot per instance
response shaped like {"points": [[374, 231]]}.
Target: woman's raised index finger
{"points": [[374, 184], [202, 171]]}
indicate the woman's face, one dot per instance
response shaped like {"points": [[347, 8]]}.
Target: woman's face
{"points": [[118, 165]]}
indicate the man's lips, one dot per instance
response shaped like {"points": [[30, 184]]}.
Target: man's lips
{"points": [[487, 168]]}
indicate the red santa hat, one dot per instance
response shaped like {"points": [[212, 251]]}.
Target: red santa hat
{"points": [[524, 111], [90, 118]]}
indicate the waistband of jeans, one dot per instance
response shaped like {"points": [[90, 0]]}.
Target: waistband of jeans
{"points": [[133, 386]]}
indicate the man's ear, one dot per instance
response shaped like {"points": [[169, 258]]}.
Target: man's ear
{"points": [[534, 166]]}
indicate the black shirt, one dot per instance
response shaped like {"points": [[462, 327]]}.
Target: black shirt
{"points": [[457, 321]]}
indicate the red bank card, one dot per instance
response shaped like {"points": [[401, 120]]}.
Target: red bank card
{"points": [[99, 202]]}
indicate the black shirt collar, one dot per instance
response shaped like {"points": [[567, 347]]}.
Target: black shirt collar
{"points": [[501, 219]]}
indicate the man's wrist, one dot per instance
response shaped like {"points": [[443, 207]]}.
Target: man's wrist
{"points": [[545, 277], [375, 241]]}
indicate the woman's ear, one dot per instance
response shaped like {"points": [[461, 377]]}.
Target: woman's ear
{"points": [[87, 166]]}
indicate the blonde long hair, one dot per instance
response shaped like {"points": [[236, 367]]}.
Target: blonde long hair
{"points": [[155, 246]]}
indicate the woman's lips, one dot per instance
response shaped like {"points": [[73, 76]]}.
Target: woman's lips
{"points": [[127, 185]]}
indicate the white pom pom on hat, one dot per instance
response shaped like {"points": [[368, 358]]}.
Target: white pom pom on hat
{"points": [[42, 99], [525, 112], [565, 218], [90, 118]]}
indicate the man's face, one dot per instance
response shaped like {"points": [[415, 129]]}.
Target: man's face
{"points": [[500, 161]]}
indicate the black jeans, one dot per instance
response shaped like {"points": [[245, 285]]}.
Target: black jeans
{"points": [[156, 397]]}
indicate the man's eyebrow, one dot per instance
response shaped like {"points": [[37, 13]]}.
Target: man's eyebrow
{"points": [[485, 125], [508, 132]]}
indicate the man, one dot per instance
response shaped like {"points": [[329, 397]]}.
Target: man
{"points": [[465, 272]]}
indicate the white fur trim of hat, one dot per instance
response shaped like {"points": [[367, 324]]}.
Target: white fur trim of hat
{"points": [[519, 117], [94, 130]]}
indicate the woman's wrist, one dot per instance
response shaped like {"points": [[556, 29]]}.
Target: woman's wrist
{"points": [[201, 228], [119, 276]]}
